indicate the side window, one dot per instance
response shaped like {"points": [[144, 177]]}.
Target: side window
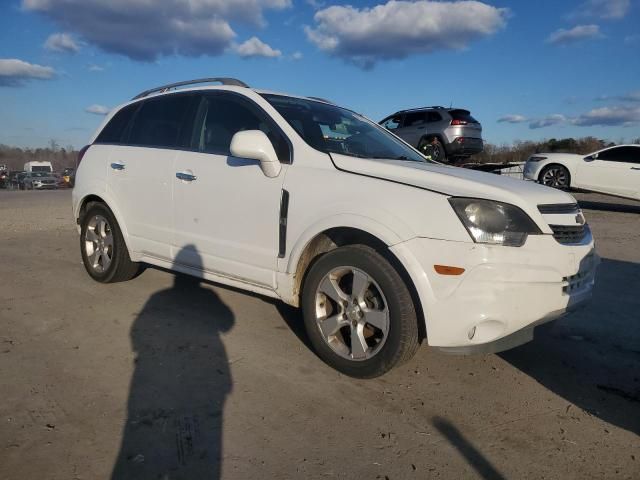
{"points": [[415, 119], [224, 115], [621, 154], [392, 123], [166, 121], [433, 117], [115, 130]]}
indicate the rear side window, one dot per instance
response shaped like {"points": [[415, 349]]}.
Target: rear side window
{"points": [[115, 130], [433, 117], [224, 115], [414, 119], [463, 115], [166, 121]]}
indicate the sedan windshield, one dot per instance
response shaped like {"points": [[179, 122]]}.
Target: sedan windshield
{"points": [[332, 129]]}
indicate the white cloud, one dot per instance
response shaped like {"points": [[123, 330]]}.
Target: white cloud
{"points": [[296, 56], [397, 29], [316, 4], [145, 30], [548, 121], [605, 9], [62, 42], [95, 68], [512, 119], [97, 109], [573, 35], [254, 47], [633, 96], [15, 72], [609, 116]]}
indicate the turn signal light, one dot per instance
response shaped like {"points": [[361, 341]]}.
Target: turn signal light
{"points": [[448, 270]]}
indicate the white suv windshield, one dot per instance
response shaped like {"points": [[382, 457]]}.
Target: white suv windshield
{"points": [[332, 129]]}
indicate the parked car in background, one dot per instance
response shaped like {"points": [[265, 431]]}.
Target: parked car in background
{"points": [[4, 177], [441, 134], [301, 200], [40, 181], [613, 170], [38, 166]]}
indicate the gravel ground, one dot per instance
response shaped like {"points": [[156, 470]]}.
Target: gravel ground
{"points": [[162, 377]]}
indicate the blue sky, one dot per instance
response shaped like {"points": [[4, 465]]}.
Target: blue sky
{"points": [[526, 70]]}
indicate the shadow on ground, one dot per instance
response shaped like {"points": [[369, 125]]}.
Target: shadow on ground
{"points": [[592, 357], [179, 385], [610, 207]]}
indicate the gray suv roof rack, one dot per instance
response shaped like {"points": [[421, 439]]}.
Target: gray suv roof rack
{"points": [[223, 80]]}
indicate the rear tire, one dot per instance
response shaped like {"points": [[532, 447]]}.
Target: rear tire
{"points": [[358, 312], [104, 252], [555, 176]]}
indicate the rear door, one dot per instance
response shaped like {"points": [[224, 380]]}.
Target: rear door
{"points": [[140, 170], [226, 211], [615, 171], [413, 127]]}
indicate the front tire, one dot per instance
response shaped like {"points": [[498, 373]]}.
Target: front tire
{"points": [[104, 252], [555, 176], [358, 312]]}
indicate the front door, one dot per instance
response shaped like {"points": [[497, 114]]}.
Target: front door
{"points": [[226, 211], [615, 171]]}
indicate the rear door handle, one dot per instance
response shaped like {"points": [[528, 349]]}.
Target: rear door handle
{"points": [[186, 176], [117, 166]]}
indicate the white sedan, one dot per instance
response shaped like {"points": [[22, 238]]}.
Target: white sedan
{"points": [[614, 170]]}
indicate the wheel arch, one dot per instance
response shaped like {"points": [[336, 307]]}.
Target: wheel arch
{"points": [[338, 236], [88, 200]]}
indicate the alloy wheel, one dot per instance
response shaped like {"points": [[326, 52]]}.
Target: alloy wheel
{"points": [[98, 243], [555, 177], [352, 313]]}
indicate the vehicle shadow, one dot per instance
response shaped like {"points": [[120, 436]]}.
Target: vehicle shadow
{"points": [[591, 357], [179, 385], [609, 207], [471, 454]]}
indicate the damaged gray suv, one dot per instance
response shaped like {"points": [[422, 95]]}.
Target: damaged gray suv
{"points": [[441, 134]]}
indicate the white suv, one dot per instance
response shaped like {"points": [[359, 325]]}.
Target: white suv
{"points": [[299, 199]]}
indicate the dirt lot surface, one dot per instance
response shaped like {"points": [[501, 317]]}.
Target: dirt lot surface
{"points": [[165, 378]]}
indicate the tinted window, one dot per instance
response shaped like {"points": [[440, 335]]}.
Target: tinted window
{"points": [[621, 154], [464, 115], [414, 119], [433, 117], [224, 115], [166, 121], [114, 131]]}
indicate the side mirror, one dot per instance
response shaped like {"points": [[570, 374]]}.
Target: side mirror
{"points": [[255, 144], [591, 158]]}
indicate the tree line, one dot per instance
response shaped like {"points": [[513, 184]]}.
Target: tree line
{"points": [[60, 157]]}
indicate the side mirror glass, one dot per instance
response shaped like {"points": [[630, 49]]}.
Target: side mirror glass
{"points": [[255, 145]]}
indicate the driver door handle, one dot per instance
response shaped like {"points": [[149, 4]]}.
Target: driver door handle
{"points": [[186, 176], [117, 166]]}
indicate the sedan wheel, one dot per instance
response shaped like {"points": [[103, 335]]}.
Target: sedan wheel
{"points": [[555, 176]]}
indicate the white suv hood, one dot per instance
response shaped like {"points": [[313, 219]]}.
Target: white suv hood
{"points": [[455, 181]]}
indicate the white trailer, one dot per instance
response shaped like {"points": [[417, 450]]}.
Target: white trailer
{"points": [[34, 166]]}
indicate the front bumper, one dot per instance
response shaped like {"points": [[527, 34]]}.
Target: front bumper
{"points": [[504, 291]]}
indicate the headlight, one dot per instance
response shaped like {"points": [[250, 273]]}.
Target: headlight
{"points": [[536, 158], [495, 223]]}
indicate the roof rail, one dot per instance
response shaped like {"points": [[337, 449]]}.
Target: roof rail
{"points": [[435, 107], [320, 99], [163, 88]]}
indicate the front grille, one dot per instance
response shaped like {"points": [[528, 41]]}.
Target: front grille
{"points": [[48, 182], [568, 234], [558, 208]]}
